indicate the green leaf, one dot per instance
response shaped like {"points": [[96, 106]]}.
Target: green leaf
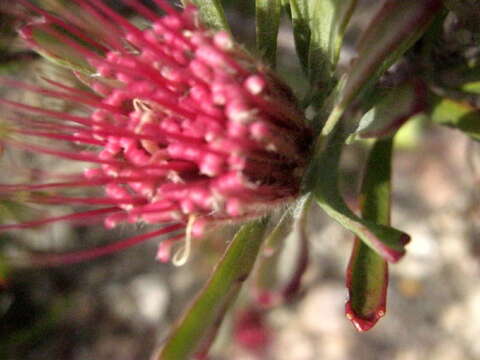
{"points": [[367, 273], [301, 30], [209, 307], [394, 107], [318, 28], [328, 21], [322, 178], [267, 16], [395, 28], [211, 12], [458, 115]]}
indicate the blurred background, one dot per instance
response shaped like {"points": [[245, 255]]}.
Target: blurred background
{"points": [[121, 306]]}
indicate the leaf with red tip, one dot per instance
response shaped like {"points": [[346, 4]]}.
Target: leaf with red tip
{"points": [[367, 273], [194, 329], [323, 179], [394, 108], [211, 12], [394, 29], [457, 115], [267, 15]]}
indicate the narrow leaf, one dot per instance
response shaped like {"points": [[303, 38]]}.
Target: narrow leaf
{"points": [[301, 30], [209, 307], [458, 115], [328, 20], [267, 22], [323, 179], [211, 12], [367, 273], [318, 28], [395, 28]]}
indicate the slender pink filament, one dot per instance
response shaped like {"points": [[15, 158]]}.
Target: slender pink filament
{"points": [[78, 256], [69, 217]]}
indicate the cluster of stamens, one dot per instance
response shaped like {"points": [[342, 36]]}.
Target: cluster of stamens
{"points": [[184, 123]]}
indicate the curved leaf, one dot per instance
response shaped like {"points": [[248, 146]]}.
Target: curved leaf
{"points": [[367, 273], [323, 179]]}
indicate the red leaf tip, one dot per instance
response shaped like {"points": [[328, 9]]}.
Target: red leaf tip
{"points": [[363, 324]]}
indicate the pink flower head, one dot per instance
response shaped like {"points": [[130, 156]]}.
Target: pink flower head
{"points": [[182, 126]]}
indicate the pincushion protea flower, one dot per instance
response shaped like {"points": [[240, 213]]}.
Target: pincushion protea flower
{"points": [[183, 129]]}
